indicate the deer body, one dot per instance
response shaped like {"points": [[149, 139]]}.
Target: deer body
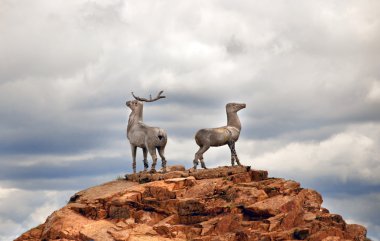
{"points": [[143, 136], [225, 135], [217, 136]]}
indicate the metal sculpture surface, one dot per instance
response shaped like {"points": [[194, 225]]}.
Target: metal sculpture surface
{"points": [[220, 136], [146, 137]]}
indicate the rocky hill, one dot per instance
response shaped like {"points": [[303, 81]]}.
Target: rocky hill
{"points": [[225, 203]]}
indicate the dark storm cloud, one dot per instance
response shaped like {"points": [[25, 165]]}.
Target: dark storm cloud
{"points": [[62, 183], [46, 170], [333, 186], [55, 141], [56, 131]]}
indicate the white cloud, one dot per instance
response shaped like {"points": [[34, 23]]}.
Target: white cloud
{"points": [[350, 155], [23, 209], [373, 94]]}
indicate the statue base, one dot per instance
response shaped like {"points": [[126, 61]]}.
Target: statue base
{"points": [[231, 173]]}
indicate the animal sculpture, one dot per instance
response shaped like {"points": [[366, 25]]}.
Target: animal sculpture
{"points": [[143, 136], [225, 135]]}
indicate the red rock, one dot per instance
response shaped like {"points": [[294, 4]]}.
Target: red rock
{"points": [[98, 230], [64, 223], [159, 191], [204, 188], [258, 175], [268, 208], [129, 197], [293, 214], [326, 232], [149, 218], [190, 207], [243, 195], [309, 216], [275, 222], [240, 177], [175, 168], [229, 224], [355, 231], [174, 174], [119, 212], [312, 200], [209, 226], [332, 238], [122, 235], [182, 182], [221, 204], [33, 235]]}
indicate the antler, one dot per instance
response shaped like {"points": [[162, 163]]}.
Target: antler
{"points": [[159, 96]]}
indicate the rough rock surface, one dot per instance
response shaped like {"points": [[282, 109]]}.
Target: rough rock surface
{"points": [[226, 203]]}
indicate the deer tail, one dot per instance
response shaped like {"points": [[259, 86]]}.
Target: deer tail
{"points": [[161, 134]]}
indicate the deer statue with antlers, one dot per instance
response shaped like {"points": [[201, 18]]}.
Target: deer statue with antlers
{"points": [[220, 136], [146, 137]]}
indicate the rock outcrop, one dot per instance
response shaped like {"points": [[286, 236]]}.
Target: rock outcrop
{"points": [[226, 203]]}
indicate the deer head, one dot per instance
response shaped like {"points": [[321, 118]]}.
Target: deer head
{"points": [[234, 107]]}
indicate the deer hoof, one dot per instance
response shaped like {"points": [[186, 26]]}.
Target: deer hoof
{"points": [[153, 170]]}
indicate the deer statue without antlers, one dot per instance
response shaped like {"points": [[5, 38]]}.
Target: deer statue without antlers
{"points": [[220, 136], [143, 136]]}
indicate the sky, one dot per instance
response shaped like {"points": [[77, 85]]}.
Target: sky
{"points": [[308, 72]]}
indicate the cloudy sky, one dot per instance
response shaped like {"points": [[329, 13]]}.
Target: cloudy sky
{"points": [[307, 70]]}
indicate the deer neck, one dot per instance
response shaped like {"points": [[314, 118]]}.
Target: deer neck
{"points": [[135, 117], [233, 120]]}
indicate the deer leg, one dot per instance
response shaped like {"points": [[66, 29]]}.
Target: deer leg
{"points": [[203, 165], [237, 161], [196, 158], [161, 152], [195, 162], [231, 146], [145, 152], [152, 152], [199, 156], [133, 148], [234, 156]]}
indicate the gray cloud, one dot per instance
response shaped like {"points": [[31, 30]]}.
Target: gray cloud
{"points": [[363, 212], [46, 170], [307, 71]]}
